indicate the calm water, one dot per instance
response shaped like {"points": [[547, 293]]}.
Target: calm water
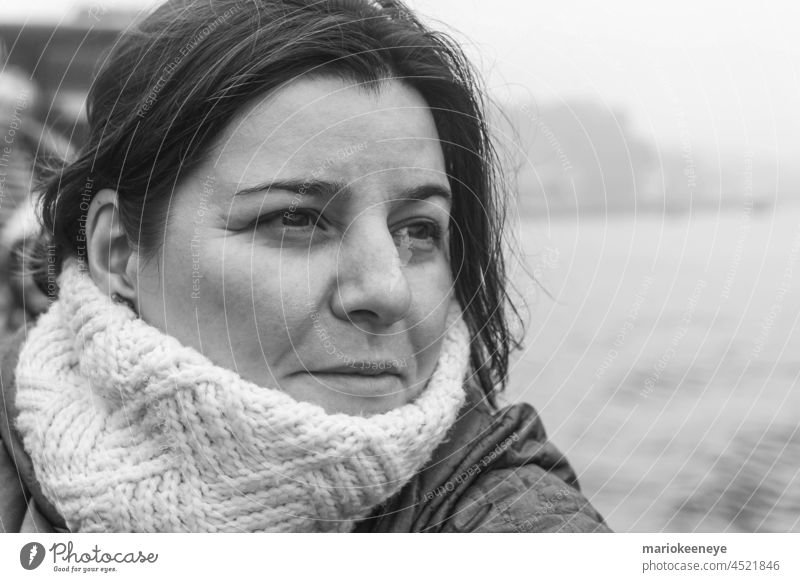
{"points": [[668, 366]]}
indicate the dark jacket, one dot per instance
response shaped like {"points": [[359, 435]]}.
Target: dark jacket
{"points": [[496, 472]]}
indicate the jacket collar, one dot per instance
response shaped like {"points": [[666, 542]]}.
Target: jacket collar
{"points": [[426, 502], [9, 435]]}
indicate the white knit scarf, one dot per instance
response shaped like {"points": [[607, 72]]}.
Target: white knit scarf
{"points": [[129, 430]]}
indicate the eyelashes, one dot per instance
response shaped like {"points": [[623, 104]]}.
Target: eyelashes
{"points": [[424, 235], [292, 218]]}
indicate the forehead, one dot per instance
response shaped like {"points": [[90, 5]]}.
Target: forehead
{"points": [[328, 125]]}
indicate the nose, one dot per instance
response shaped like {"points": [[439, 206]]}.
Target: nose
{"points": [[372, 288]]}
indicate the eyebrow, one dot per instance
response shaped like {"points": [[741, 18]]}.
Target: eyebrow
{"points": [[323, 188]]}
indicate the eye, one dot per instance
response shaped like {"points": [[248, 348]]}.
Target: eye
{"points": [[290, 220], [298, 219], [421, 236]]}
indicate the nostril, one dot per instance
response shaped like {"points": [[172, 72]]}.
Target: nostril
{"points": [[360, 315]]}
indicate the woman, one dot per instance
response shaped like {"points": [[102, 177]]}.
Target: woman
{"points": [[281, 299]]}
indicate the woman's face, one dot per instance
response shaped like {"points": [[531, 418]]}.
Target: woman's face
{"points": [[310, 252]]}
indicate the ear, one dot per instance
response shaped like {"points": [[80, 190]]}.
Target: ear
{"points": [[110, 256]]}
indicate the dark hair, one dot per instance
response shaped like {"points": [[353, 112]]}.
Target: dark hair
{"points": [[172, 83]]}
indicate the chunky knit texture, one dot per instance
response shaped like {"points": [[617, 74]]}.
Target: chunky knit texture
{"points": [[129, 430]]}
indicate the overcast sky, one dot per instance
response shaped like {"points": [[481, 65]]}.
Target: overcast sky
{"points": [[725, 74]]}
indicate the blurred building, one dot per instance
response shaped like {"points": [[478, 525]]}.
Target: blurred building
{"points": [[585, 157], [47, 69], [61, 58]]}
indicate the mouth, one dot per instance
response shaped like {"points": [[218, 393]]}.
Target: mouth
{"points": [[364, 368], [361, 383]]}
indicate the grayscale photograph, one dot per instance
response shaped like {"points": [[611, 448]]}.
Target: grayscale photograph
{"points": [[599, 331]]}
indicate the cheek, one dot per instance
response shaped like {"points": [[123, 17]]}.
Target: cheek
{"points": [[165, 293], [431, 284], [272, 292], [433, 293]]}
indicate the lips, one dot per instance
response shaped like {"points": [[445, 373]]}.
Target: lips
{"points": [[374, 368], [361, 384]]}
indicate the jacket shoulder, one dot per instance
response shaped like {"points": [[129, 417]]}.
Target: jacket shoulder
{"points": [[13, 493], [23, 506], [524, 483], [13, 500], [496, 472], [521, 484], [524, 499]]}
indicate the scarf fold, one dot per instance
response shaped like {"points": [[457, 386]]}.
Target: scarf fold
{"points": [[129, 430]]}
